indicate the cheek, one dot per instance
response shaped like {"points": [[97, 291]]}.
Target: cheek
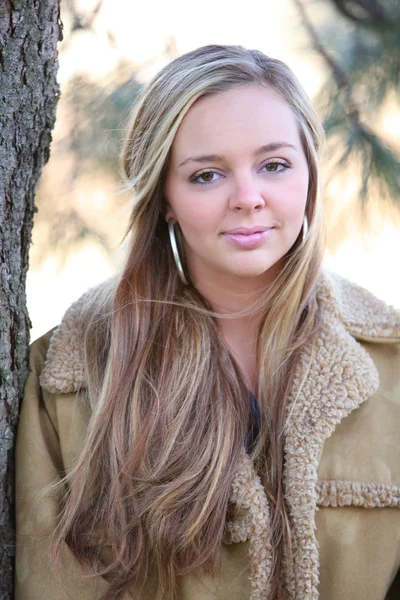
{"points": [[294, 197], [195, 212], [200, 217]]}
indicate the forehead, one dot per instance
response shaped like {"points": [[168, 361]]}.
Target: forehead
{"points": [[240, 118]]}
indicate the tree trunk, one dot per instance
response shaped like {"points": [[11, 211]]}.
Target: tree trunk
{"points": [[29, 31]]}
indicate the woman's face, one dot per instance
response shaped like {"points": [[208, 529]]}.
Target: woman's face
{"points": [[237, 184]]}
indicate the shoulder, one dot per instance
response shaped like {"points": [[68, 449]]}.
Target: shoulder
{"points": [[58, 356], [374, 324], [364, 446], [366, 317]]}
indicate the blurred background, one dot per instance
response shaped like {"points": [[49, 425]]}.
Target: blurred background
{"points": [[346, 54]]}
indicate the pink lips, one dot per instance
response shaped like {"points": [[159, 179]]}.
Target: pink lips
{"points": [[248, 238]]}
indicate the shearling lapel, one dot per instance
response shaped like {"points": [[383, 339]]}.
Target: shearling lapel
{"points": [[248, 493], [334, 376]]}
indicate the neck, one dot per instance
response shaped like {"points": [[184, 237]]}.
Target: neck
{"points": [[227, 296]]}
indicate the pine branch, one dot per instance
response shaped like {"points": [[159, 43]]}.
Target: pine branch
{"points": [[81, 21], [341, 79], [378, 160], [365, 12]]}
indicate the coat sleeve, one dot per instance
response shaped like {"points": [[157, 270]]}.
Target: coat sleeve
{"points": [[39, 462]]}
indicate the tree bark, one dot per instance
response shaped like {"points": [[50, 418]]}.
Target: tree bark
{"points": [[29, 31]]}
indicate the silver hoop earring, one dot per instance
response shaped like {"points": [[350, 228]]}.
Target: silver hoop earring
{"points": [[175, 252], [305, 227]]}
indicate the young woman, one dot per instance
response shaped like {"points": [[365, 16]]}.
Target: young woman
{"points": [[221, 420]]}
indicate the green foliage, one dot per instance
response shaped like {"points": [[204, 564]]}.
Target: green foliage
{"points": [[99, 113], [360, 43], [95, 115]]}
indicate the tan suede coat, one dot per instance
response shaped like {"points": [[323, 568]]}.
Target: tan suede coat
{"points": [[341, 477]]}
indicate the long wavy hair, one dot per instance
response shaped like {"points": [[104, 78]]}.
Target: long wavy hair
{"points": [[170, 412]]}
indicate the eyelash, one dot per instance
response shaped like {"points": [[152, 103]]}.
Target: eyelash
{"points": [[196, 177]]}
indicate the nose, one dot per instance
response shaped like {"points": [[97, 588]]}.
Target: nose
{"points": [[246, 195]]}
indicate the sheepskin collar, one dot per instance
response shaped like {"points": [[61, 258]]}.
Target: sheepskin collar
{"points": [[334, 376], [344, 303]]}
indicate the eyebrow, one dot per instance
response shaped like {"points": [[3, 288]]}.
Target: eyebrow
{"points": [[215, 157]]}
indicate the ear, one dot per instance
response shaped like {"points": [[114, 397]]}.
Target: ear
{"points": [[170, 214]]}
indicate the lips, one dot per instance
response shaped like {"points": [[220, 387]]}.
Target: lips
{"points": [[247, 230], [248, 237]]}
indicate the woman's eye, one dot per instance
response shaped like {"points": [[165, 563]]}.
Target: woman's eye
{"points": [[204, 177], [276, 167]]}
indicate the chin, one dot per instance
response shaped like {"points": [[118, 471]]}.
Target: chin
{"points": [[254, 268], [254, 272]]}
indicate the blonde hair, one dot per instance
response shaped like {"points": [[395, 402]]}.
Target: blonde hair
{"points": [[170, 410]]}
